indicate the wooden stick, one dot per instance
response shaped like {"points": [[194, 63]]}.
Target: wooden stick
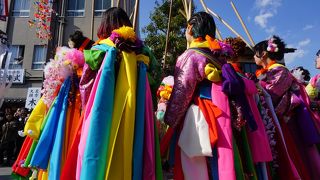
{"points": [[167, 37], [135, 17], [217, 30], [204, 6], [230, 28], [190, 9], [125, 5], [242, 23], [183, 13], [218, 34], [184, 2]]}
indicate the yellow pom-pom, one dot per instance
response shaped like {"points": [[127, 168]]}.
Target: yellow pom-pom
{"points": [[127, 33]]}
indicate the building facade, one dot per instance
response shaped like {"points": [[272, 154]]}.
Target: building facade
{"points": [[29, 53]]}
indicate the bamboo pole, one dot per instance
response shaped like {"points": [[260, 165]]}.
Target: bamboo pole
{"points": [[125, 5], [135, 17], [183, 13], [184, 2], [167, 37], [217, 30], [190, 9], [230, 28], [226, 24], [242, 23]]}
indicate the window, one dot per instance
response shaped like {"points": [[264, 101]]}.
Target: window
{"points": [[39, 57], [100, 6], [21, 8], [75, 8], [249, 67], [16, 59]]}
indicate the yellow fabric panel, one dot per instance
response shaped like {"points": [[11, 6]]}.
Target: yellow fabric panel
{"points": [[45, 175], [212, 73], [201, 44], [33, 125], [119, 162], [276, 65], [312, 91], [107, 42]]}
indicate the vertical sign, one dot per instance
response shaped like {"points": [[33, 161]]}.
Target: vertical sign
{"points": [[33, 97]]}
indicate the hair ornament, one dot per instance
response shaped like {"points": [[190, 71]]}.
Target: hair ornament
{"points": [[272, 47]]}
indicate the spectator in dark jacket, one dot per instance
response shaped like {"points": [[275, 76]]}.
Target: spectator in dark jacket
{"points": [[9, 136]]}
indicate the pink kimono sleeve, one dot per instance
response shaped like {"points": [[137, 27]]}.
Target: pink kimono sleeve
{"points": [[189, 72]]}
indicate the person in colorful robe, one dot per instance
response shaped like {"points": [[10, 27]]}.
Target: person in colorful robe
{"points": [[252, 148], [313, 88], [301, 74], [118, 135], [291, 103], [197, 97]]}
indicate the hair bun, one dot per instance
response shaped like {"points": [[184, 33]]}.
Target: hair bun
{"points": [[289, 50]]}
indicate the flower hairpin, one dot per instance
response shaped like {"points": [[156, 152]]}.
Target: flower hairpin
{"points": [[272, 47]]}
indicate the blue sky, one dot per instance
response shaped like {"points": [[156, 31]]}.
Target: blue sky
{"points": [[296, 22]]}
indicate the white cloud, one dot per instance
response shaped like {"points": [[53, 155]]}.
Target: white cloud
{"points": [[262, 19], [268, 3], [304, 42], [267, 10], [290, 57], [307, 27], [271, 30], [299, 53]]}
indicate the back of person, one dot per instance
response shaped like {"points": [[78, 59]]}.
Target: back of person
{"points": [[79, 41]]}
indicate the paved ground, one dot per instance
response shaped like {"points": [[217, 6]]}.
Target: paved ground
{"points": [[5, 173]]}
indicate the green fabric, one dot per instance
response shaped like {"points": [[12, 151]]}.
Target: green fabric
{"points": [[237, 161], [273, 173], [30, 154], [18, 177], [247, 155], [35, 142], [154, 64], [159, 174], [94, 58], [154, 74]]}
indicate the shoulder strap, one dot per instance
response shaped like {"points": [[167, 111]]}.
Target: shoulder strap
{"points": [[215, 61]]}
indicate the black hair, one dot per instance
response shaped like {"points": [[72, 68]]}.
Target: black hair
{"points": [[78, 38], [202, 24], [305, 72], [318, 53], [112, 18], [263, 45]]}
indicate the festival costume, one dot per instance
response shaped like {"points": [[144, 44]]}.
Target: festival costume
{"points": [[52, 131], [299, 129], [109, 146], [189, 72], [280, 159]]}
